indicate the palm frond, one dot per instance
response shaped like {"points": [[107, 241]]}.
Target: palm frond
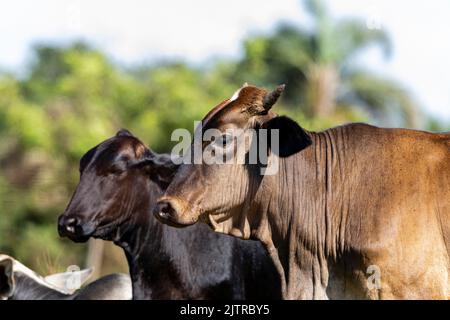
{"points": [[385, 99], [353, 36]]}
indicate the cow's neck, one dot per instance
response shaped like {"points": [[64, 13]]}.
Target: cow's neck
{"points": [[302, 220], [151, 248], [135, 238], [309, 195]]}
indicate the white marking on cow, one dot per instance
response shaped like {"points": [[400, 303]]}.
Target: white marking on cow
{"points": [[235, 95]]}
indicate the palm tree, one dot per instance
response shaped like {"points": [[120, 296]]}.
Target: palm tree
{"points": [[318, 65]]}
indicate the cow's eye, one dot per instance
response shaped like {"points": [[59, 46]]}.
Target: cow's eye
{"points": [[116, 169]]}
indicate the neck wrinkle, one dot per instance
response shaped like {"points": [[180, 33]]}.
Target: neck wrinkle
{"points": [[327, 192], [306, 214], [312, 178]]}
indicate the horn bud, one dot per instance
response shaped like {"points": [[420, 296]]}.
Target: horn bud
{"points": [[124, 133], [271, 98]]}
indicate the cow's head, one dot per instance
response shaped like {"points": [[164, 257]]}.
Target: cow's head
{"points": [[6, 277], [114, 184], [219, 193]]}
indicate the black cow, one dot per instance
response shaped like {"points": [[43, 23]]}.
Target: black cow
{"points": [[120, 181]]}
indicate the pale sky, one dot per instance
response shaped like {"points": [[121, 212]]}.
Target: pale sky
{"points": [[136, 31]]}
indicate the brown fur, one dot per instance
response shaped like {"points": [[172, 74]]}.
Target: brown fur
{"points": [[348, 199]]}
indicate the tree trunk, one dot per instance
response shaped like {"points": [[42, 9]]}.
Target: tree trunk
{"points": [[94, 257], [321, 89]]}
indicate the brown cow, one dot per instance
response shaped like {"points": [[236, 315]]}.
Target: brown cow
{"points": [[354, 211]]}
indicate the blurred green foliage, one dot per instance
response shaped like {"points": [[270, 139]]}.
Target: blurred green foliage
{"points": [[73, 97]]}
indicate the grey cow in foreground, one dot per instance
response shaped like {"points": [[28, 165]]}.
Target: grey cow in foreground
{"points": [[18, 282]]}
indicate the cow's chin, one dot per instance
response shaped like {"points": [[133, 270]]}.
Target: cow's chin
{"points": [[78, 238], [109, 232], [228, 224]]}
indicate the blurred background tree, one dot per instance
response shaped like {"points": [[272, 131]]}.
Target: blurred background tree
{"points": [[318, 64], [73, 97]]}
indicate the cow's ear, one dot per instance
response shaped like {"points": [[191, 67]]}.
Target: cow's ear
{"points": [[60, 280], [6, 278], [291, 137], [159, 167], [124, 133]]}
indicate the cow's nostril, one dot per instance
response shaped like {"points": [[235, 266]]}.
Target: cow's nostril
{"points": [[71, 224], [171, 212], [164, 210]]}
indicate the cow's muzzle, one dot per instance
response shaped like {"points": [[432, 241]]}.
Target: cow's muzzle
{"points": [[73, 228], [173, 213]]}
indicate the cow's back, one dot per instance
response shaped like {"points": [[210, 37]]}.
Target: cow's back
{"points": [[116, 286]]}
